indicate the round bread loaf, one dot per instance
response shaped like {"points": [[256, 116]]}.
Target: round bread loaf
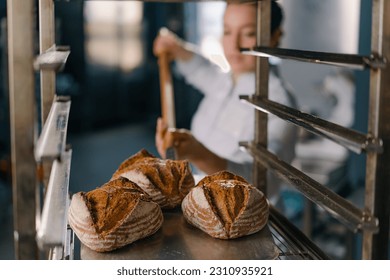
{"points": [[226, 206], [114, 215], [166, 181]]}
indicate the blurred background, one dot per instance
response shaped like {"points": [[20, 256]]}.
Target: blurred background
{"points": [[112, 78]]}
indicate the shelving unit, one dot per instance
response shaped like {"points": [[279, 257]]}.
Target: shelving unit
{"points": [[373, 220], [33, 239], [40, 165]]}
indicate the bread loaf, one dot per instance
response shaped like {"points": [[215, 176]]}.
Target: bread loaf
{"points": [[114, 215], [166, 181], [226, 206]]}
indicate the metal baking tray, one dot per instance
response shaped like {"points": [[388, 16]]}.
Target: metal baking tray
{"points": [[178, 240]]}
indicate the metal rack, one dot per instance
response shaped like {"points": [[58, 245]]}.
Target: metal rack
{"points": [[291, 242], [40, 165], [373, 220]]}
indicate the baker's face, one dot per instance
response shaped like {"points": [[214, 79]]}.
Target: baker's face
{"points": [[239, 32]]}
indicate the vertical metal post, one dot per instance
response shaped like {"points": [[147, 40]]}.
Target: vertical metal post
{"points": [[262, 72], [377, 197], [46, 40], [373, 121], [47, 82], [20, 15]]}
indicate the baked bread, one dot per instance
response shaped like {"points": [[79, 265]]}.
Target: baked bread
{"points": [[166, 181], [226, 206], [114, 215]]}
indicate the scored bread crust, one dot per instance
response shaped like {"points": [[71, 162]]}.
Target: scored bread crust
{"points": [[114, 215], [226, 206], [167, 182]]}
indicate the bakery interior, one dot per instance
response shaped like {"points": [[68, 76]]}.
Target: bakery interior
{"points": [[112, 79]]}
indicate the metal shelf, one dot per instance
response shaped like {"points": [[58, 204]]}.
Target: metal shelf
{"points": [[53, 59], [290, 241], [52, 141], [179, 240], [335, 59], [168, 1], [353, 140], [334, 204], [53, 227]]}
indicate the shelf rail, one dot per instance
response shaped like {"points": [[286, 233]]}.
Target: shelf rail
{"points": [[352, 61], [53, 228], [350, 139], [334, 204], [292, 243], [53, 59], [52, 140]]}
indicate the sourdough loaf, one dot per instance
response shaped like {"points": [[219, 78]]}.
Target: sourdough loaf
{"points": [[114, 215], [166, 181], [226, 206]]}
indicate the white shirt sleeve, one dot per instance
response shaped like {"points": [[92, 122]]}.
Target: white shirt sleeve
{"points": [[202, 74]]}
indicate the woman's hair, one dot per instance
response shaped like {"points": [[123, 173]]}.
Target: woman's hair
{"points": [[276, 14]]}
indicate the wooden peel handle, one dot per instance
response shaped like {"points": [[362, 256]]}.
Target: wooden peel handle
{"points": [[166, 89], [167, 98]]}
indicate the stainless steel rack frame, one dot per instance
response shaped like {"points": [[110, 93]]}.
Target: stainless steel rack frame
{"points": [[40, 227], [373, 220]]}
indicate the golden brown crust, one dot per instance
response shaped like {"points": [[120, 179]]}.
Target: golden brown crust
{"points": [[110, 203], [133, 159], [226, 206], [226, 202], [114, 215], [166, 181], [222, 175]]}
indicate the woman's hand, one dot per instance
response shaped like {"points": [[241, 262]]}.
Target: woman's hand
{"points": [[187, 147], [168, 42]]}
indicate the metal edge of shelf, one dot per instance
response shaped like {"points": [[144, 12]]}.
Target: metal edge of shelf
{"points": [[348, 138], [169, 1], [53, 59], [293, 237], [338, 207], [69, 244], [336, 59], [56, 253], [51, 232], [52, 140]]}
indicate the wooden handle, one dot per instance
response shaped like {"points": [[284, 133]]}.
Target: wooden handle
{"points": [[166, 88]]}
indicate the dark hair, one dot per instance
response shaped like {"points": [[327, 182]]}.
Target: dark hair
{"points": [[276, 16]]}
